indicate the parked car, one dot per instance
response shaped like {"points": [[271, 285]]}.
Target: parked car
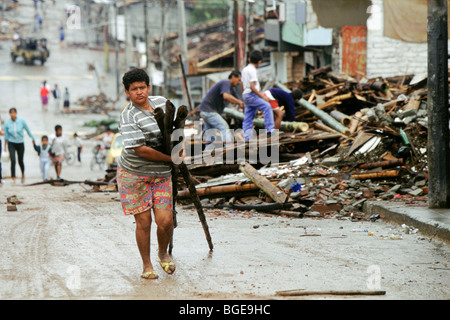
{"points": [[114, 152], [30, 49]]}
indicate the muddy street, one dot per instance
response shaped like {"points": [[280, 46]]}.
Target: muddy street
{"points": [[72, 243]]}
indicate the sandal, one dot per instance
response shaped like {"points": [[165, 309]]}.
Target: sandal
{"points": [[150, 275], [168, 267]]}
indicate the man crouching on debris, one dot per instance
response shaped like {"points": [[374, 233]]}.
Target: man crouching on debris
{"points": [[144, 173]]}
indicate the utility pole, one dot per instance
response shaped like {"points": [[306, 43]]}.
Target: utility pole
{"points": [[438, 113], [116, 46], [183, 47], [127, 38], [147, 56], [182, 29], [162, 42], [106, 33], [240, 45]]}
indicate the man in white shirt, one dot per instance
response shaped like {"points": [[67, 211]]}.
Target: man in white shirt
{"points": [[254, 100]]}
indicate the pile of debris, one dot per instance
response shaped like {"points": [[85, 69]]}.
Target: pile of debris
{"points": [[354, 140], [100, 104]]}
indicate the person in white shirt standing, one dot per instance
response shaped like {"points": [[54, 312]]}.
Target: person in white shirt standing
{"points": [[58, 150], [254, 100], [79, 146]]}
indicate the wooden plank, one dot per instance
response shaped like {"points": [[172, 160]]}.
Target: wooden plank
{"points": [[213, 70], [263, 183], [300, 292], [214, 58], [220, 191]]}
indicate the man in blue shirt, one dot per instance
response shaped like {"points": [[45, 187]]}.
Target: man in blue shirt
{"points": [[286, 99], [213, 104], [14, 139], [2, 133]]}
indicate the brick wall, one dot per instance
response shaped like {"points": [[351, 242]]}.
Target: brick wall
{"points": [[391, 57], [295, 66]]}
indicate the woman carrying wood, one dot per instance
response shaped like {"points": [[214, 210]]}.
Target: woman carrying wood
{"points": [[144, 172]]}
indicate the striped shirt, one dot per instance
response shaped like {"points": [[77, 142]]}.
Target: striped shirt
{"points": [[139, 128]]}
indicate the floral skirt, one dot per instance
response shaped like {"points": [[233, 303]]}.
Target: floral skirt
{"points": [[141, 193]]}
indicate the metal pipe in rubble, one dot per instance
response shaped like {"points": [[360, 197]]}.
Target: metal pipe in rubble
{"points": [[259, 123], [325, 117]]}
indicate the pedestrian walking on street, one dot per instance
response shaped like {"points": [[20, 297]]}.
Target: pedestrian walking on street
{"points": [[37, 23], [45, 160], [79, 146], [144, 173], [14, 140], [2, 133], [66, 101], [57, 96], [254, 100], [212, 105], [58, 150], [107, 138], [61, 36], [44, 96]]}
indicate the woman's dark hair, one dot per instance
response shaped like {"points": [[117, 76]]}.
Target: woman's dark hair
{"points": [[256, 56], [234, 73], [135, 75]]}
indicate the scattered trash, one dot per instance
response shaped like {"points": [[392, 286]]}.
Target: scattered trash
{"points": [[409, 229], [12, 202]]}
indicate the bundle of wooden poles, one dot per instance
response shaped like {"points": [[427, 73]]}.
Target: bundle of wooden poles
{"points": [[169, 120]]}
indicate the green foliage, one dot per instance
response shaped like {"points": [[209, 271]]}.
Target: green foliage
{"points": [[206, 11]]}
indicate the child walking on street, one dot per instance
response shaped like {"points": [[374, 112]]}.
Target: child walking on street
{"points": [[79, 146], [58, 150], [43, 152], [66, 103]]}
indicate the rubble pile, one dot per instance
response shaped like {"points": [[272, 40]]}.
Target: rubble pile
{"points": [[327, 171], [9, 28], [94, 104], [376, 151]]}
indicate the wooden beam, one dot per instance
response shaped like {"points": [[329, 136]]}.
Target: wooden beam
{"points": [[300, 292], [263, 183], [214, 58], [219, 191]]}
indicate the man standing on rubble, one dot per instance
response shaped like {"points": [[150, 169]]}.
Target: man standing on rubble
{"points": [[144, 173], [254, 100], [213, 104]]}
